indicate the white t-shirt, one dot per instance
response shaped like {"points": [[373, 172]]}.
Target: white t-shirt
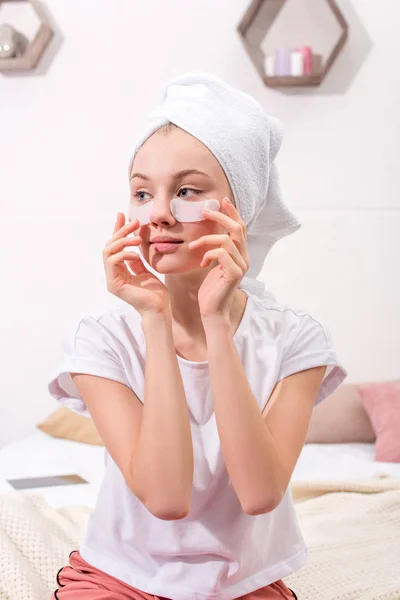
{"points": [[217, 551]]}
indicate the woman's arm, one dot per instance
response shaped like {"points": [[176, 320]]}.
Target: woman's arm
{"points": [[162, 465], [150, 442], [260, 449]]}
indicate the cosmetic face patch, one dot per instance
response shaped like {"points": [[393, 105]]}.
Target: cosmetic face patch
{"points": [[185, 211]]}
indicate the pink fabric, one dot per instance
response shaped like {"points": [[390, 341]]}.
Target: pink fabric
{"points": [[382, 403], [80, 581]]}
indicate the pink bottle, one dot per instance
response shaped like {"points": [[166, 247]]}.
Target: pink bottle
{"points": [[307, 59]]}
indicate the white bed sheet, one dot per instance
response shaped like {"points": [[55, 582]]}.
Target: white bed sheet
{"points": [[327, 462], [39, 455]]}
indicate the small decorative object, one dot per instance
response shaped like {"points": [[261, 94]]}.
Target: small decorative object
{"points": [[288, 62], [12, 42], [18, 53], [296, 64], [262, 31], [269, 66], [307, 59], [282, 61]]}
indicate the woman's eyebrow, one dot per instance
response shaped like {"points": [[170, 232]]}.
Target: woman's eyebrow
{"points": [[178, 175]]}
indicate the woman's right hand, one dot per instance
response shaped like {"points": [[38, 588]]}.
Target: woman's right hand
{"points": [[143, 290]]}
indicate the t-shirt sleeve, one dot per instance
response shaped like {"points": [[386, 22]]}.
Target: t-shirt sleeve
{"points": [[85, 348], [311, 346]]}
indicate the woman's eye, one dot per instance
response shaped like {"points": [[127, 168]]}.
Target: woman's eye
{"points": [[139, 196], [190, 190]]}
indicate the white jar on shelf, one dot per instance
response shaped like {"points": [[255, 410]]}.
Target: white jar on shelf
{"points": [[269, 65], [296, 64]]}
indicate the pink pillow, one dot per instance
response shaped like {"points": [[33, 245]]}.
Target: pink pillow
{"points": [[340, 419], [382, 404]]}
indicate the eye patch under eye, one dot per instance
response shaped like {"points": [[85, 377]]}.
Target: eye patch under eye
{"points": [[185, 211]]}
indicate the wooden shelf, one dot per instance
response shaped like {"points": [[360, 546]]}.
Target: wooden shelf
{"points": [[35, 47], [287, 80], [254, 26]]}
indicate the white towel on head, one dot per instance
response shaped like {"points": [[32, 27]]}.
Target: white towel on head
{"points": [[245, 141]]}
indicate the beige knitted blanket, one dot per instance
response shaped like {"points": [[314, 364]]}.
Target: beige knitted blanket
{"points": [[352, 530]]}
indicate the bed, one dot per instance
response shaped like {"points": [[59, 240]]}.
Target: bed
{"points": [[39, 454], [348, 508]]}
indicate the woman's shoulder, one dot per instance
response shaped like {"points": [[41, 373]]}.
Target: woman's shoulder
{"points": [[272, 322], [268, 309], [300, 338], [119, 322]]}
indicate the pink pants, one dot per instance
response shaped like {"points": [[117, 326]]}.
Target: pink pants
{"points": [[80, 581]]}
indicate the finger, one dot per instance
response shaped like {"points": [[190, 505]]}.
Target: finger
{"points": [[123, 230], [216, 239], [119, 222], [237, 229], [126, 255], [224, 259], [223, 240], [119, 244], [136, 264], [230, 268], [232, 221]]}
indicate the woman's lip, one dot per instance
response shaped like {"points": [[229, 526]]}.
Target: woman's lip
{"points": [[166, 246], [165, 241]]}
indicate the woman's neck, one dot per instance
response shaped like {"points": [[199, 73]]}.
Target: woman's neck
{"points": [[188, 330]]}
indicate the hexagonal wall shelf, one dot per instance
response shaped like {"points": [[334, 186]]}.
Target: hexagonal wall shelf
{"points": [[261, 18], [35, 47]]}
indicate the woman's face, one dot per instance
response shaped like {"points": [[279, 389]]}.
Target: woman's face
{"points": [[161, 171]]}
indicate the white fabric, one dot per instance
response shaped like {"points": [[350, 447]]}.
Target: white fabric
{"points": [[341, 462], [239, 553], [245, 141], [350, 529], [52, 456]]}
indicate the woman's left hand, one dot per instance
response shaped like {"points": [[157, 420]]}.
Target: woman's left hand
{"points": [[217, 291]]}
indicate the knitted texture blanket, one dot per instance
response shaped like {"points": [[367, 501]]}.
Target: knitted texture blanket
{"points": [[352, 530]]}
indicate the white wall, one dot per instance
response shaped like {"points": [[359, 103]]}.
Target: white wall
{"points": [[66, 135]]}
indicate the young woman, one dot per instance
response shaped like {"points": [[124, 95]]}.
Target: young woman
{"points": [[200, 384]]}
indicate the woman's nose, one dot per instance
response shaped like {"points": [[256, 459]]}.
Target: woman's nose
{"points": [[162, 213]]}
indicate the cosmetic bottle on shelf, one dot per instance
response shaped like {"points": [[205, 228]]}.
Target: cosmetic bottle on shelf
{"points": [[269, 66], [306, 52], [282, 62], [296, 64]]}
